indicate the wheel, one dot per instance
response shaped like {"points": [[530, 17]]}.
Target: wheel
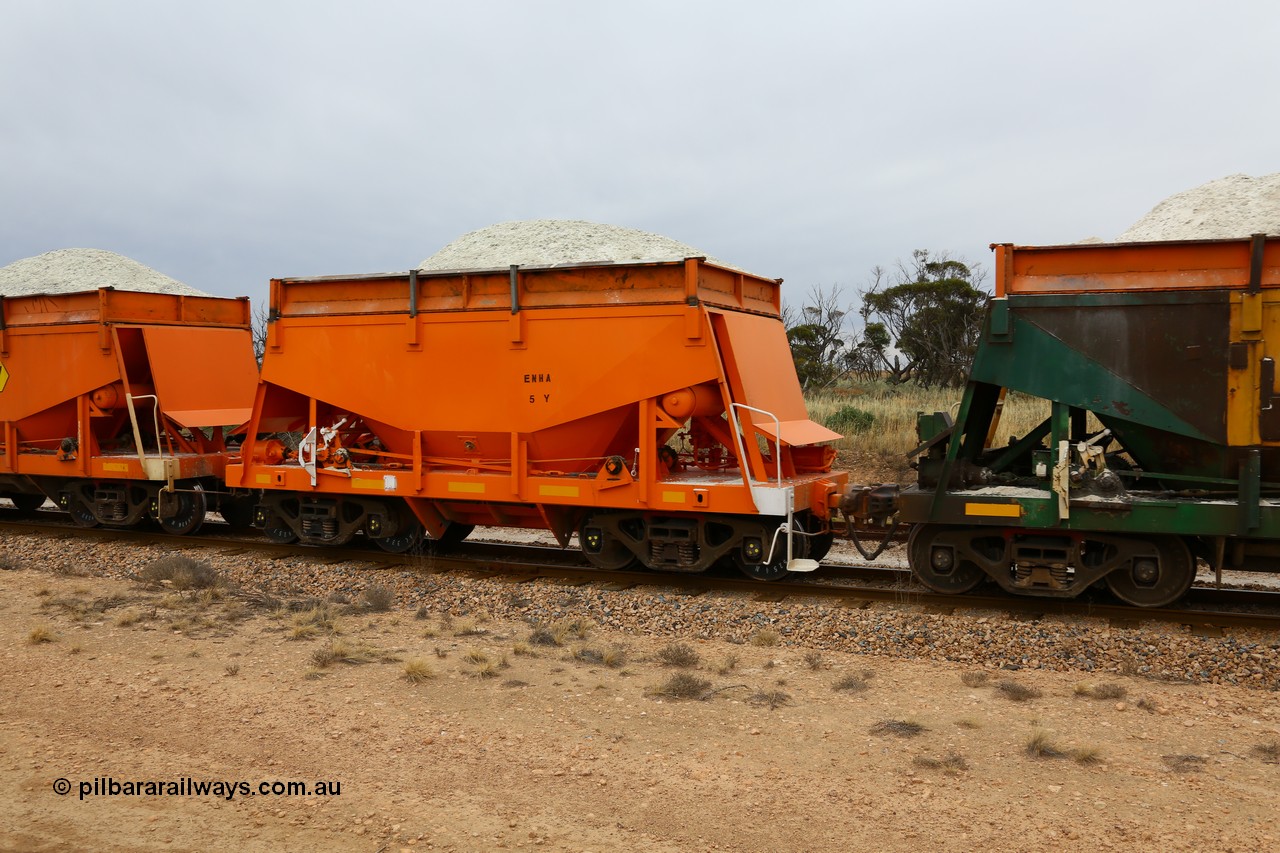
{"points": [[453, 534], [1156, 580], [748, 556], [237, 512], [403, 542], [281, 534], [188, 513], [26, 502], [278, 530], [79, 505], [602, 550], [936, 562], [819, 543]]}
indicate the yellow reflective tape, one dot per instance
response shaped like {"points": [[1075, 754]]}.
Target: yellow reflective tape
{"points": [[559, 491], [376, 485], [473, 488], [997, 510], [673, 497], [115, 466], [262, 478]]}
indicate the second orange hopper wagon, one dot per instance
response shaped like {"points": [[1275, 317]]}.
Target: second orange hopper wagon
{"points": [[651, 407]]}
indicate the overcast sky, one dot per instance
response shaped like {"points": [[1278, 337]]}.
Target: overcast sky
{"points": [[226, 143]]}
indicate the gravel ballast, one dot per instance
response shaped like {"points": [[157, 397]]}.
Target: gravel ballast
{"points": [[988, 640], [75, 270]]}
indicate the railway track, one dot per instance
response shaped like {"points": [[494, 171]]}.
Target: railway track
{"points": [[1205, 610]]}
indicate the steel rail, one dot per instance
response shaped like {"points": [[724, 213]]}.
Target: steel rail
{"points": [[1205, 609]]}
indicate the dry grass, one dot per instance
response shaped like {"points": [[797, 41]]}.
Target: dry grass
{"points": [[765, 638], [377, 598], [613, 657], [417, 670], [850, 684], [1101, 691], [486, 670], [468, 628], [968, 723], [683, 685], [893, 412], [1086, 755], [338, 651], [1015, 692], [231, 670], [772, 699], [320, 618], [41, 634], [950, 763], [728, 665], [679, 655], [559, 633], [9, 563], [181, 573], [900, 728], [813, 660], [1184, 763], [258, 598], [475, 656], [125, 618], [1268, 751], [975, 678], [1041, 745]]}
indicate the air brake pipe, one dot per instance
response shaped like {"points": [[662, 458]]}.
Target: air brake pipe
{"points": [[870, 503]]}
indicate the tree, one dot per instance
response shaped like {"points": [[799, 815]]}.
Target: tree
{"points": [[870, 359], [258, 332], [820, 344], [933, 314]]}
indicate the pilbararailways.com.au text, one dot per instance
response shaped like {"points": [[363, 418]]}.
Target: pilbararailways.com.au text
{"points": [[107, 786]]}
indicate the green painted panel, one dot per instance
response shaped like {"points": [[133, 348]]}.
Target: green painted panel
{"points": [[1040, 364]]}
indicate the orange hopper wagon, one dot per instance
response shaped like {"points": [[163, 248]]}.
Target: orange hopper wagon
{"points": [[113, 402], [651, 407]]}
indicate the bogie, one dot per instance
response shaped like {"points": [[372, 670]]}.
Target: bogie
{"points": [[1143, 571]]}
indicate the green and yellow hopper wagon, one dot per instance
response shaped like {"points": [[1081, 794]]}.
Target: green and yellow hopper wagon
{"points": [[1161, 442]]}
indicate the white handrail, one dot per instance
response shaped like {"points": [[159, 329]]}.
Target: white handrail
{"points": [[787, 526], [137, 434], [737, 435]]}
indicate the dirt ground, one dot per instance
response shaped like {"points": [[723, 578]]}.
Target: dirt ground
{"points": [[510, 743]]}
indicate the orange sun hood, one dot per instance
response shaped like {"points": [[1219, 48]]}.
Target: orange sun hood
{"points": [[203, 377]]}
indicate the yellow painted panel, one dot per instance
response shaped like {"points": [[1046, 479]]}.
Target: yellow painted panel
{"points": [[559, 491], [673, 497], [470, 488], [375, 485], [263, 478], [994, 510], [115, 466], [1251, 312]]}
